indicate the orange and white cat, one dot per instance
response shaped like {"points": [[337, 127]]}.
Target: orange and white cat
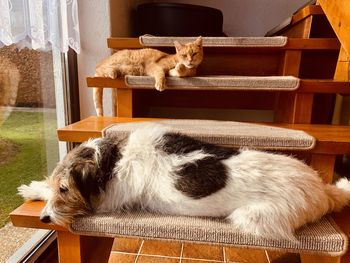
{"points": [[149, 62]]}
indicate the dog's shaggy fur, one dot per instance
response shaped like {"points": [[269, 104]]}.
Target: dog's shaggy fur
{"points": [[260, 193]]}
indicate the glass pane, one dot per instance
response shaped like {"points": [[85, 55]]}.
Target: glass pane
{"points": [[28, 142]]}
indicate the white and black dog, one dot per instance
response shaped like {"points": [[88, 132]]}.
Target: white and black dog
{"points": [[265, 194]]}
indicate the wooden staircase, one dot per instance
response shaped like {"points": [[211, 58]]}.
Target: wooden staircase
{"points": [[316, 62], [299, 58]]}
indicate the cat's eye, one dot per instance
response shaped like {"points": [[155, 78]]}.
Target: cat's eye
{"points": [[184, 56], [195, 53], [63, 189]]}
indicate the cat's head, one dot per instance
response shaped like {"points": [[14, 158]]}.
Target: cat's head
{"points": [[190, 54]]}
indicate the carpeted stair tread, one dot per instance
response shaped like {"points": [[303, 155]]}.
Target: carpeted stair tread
{"points": [[267, 83], [278, 41], [322, 237], [228, 133]]}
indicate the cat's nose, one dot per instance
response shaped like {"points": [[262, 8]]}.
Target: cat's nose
{"points": [[45, 219]]}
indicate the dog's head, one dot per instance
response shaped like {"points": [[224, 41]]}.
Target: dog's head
{"points": [[77, 182]]}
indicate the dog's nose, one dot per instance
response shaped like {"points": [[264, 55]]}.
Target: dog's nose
{"points": [[45, 219]]}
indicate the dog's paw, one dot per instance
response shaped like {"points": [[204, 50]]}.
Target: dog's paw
{"points": [[35, 191]]}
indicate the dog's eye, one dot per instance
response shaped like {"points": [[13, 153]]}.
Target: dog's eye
{"points": [[63, 189]]}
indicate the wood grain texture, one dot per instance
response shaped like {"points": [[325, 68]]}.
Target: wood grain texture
{"points": [[306, 12], [123, 103], [287, 103], [28, 215], [324, 164], [84, 249]]}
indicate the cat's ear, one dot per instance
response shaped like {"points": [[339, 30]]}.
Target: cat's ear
{"points": [[178, 45], [198, 41]]}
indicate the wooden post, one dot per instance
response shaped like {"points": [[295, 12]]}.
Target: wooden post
{"points": [[79, 249], [123, 103], [324, 164], [292, 107], [342, 73]]}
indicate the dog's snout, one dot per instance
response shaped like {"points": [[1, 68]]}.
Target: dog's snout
{"points": [[45, 219]]}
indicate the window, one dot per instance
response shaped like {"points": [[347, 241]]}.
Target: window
{"points": [[34, 101]]}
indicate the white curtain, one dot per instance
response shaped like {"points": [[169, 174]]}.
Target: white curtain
{"points": [[40, 24]]}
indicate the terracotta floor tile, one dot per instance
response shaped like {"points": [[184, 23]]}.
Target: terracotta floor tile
{"points": [[163, 248], [121, 258], [199, 261], [199, 251], [243, 255], [129, 245], [149, 259], [282, 257]]}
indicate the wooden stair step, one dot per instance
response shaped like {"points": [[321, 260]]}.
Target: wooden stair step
{"points": [[330, 139], [276, 83], [291, 44], [155, 41], [231, 83], [322, 237], [227, 133]]}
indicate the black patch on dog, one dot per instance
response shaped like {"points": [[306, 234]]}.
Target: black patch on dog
{"points": [[109, 156], [175, 143], [202, 178], [91, 177], [205, 176]]}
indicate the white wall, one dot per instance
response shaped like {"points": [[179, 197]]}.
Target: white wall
{"points": [[241, 18], [94, 30]]}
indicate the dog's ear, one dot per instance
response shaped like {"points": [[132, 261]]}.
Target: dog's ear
{"points": [[109, 155], [84, 174], [84, 171], [92, 171]]}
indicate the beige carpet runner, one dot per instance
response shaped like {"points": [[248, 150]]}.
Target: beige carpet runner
{"points": [[228, 133], [273, 83], [322, 237], [154, 41]]}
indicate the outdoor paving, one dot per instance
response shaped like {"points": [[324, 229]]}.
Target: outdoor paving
{"points": [[12, 238]]}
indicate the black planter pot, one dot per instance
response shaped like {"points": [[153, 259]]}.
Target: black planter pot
{"points": [[170, 19]]}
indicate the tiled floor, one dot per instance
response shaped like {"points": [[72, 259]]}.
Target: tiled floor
{"points": [[126, 250]]}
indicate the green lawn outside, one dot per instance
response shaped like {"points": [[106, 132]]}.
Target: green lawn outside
{"points": [[34, 135]]}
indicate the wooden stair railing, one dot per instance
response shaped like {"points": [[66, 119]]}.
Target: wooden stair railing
{"points": [[338, 14], [308, 22]]}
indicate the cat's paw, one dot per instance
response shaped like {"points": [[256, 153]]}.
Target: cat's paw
{"points": [[160, 85], [180, 67]]}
